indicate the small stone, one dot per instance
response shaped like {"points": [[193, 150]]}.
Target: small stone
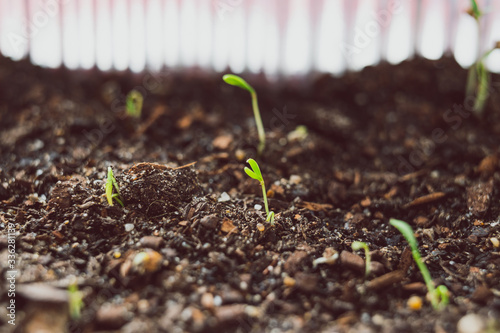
{"points": [[207, 301], [152, 242], [289, 281], [224, 197], [471, 323], [210, 221], [495, 242], [129, 227], [112, 316], [352, 261], [306, 282], [240, 154], [261, 227], [294, 179], [294, 261], [230, 313], [414, 303], [479, 197], [222, 141], [257, 207]]}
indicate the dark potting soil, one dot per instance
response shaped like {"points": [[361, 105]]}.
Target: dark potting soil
{"points": [[191, 251]]}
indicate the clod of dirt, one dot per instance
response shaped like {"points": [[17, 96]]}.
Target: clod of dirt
{"points": [[156, 190], [479, 197]]}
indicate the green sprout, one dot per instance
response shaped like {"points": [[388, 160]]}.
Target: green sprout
{"points": [[362, 245], [237, 81], [478, 77], [110, 183], [75, 301], [256, 174], [439, 296], [134, 103]]}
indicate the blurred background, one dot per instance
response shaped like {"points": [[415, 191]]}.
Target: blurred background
{"points": [[274, 37]]}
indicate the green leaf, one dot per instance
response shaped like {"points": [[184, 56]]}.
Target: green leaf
{"points": [[255, 168], [237, 81], [251, 173], [358, 246], [407, 232]]}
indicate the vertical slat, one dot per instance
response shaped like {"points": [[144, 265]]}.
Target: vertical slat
{"points": [[14, 37], [70, 34], [400, 35], [154, 34], [256, 33], [467, 40], [330, 55], [432, 42], [103, 38], [297, 51], [204, 34], [236, 26], [120, 27], [188, 37], [366, 36], [171, 32], [43, 27], [86, 40], [493, 36], [137, 36]]}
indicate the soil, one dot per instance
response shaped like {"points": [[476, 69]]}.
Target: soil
{"points": [[190, 251]]}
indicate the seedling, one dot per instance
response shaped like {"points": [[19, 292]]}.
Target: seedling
{"points": [[110, 184], [439, 295], [134, 104], [75, 301], [256, 174], [478, 78], [237, 81], [362, 245]]}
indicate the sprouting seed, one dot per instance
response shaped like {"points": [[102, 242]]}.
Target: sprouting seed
{"points": [[134, 103], [256, 174], [439, 296], [362, 245], [110, 184]]}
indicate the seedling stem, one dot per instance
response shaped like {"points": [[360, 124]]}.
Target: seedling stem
{"points": [[237, 81], [439, 295], [257, 175], [110, 183], [362, 245]]}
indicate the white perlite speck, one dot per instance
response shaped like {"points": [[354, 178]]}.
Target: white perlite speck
{"points": [[224, 197]]}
